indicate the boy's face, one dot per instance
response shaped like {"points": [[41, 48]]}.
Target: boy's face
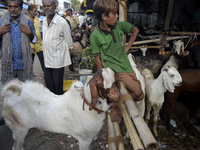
{"points": [[112, 18]]}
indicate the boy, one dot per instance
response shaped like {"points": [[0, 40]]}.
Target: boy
{"points": [[108, 47]]}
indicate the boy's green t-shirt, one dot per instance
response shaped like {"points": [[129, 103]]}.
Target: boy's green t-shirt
{"points": [[110, 46]]}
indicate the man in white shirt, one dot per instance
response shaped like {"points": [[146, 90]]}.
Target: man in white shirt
{"points": [[82, 19], [56, 44]]}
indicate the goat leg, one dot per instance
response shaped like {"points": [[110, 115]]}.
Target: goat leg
{"points": [[155, 120], [148, 113]]}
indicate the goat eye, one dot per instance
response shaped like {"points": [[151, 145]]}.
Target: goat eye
{"points": [[172, 75]]}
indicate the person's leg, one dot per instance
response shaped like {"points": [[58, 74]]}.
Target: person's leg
{"points": [[41, 58], [132, 84], [58, 80], [49, 80], [20, 74], [33, 56]]}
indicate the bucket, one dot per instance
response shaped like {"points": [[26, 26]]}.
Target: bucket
{"points": [[67, 84], [85, 78]]}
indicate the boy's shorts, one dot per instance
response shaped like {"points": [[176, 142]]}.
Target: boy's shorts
{"points": [[130, 80]]}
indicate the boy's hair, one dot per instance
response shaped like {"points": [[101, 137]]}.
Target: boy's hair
{"points": [[31, 7], [104, 6]]}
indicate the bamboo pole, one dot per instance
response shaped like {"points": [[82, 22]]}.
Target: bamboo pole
{"points": [[111, 133], [181, 33], [146, 47], [167, 22], [136, 143], [118, 133], [145, 134], [122, 14], [157, 40]]}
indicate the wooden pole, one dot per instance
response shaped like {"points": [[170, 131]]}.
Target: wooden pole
{"points": [[111, 133], [146, 47], [167, 22], [157, 40], [145, 134], [181, 33], [136, 143], [118, 133], [122, 14]]}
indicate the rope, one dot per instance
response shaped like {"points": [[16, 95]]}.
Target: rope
{"points": [[124, 7], [116, 140], [125, 98]]}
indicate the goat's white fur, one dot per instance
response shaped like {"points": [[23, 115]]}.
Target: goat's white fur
{"points": [[140, 104], [178, 46], [30, 104], [155, 89]]}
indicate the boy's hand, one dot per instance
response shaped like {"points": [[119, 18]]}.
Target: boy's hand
{"points": [[4, 29], [126, 49], [25, 29]]}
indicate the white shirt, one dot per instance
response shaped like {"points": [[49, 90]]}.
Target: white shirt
{"points": [[82, 19], [56, 42]]}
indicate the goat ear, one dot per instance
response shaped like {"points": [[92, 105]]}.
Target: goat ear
{"points": [[168, 82], [93, 91]]}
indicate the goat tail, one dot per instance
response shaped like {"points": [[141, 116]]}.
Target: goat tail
{"points": [[11, 87]]}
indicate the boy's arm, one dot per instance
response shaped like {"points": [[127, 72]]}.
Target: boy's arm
{"points": [[135, 32], [98, 62]]}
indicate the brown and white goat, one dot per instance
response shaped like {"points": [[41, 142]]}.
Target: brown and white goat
{"points": [[31, 105]]}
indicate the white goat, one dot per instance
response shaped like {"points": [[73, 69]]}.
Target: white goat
{"points": [[31, 105], [155, 88], [140, 104]]}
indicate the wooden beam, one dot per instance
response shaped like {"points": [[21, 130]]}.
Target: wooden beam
{"points": [[122, 15], [181, 33], [157, 40], [167, 22]]}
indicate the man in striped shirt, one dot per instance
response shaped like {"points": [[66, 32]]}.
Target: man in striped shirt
{"points": [[56, 44]]}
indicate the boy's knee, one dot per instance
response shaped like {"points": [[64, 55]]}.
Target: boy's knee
{"points": [[137, 95], [141, 96]]}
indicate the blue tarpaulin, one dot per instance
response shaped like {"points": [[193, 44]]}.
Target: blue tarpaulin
{"points": [[25, 6], [2, 6]]}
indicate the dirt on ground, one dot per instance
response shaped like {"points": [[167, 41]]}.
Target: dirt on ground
{"points": [[180, 137]]}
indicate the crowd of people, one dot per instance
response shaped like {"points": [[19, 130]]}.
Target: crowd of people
{"points": [[21, 41]]}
